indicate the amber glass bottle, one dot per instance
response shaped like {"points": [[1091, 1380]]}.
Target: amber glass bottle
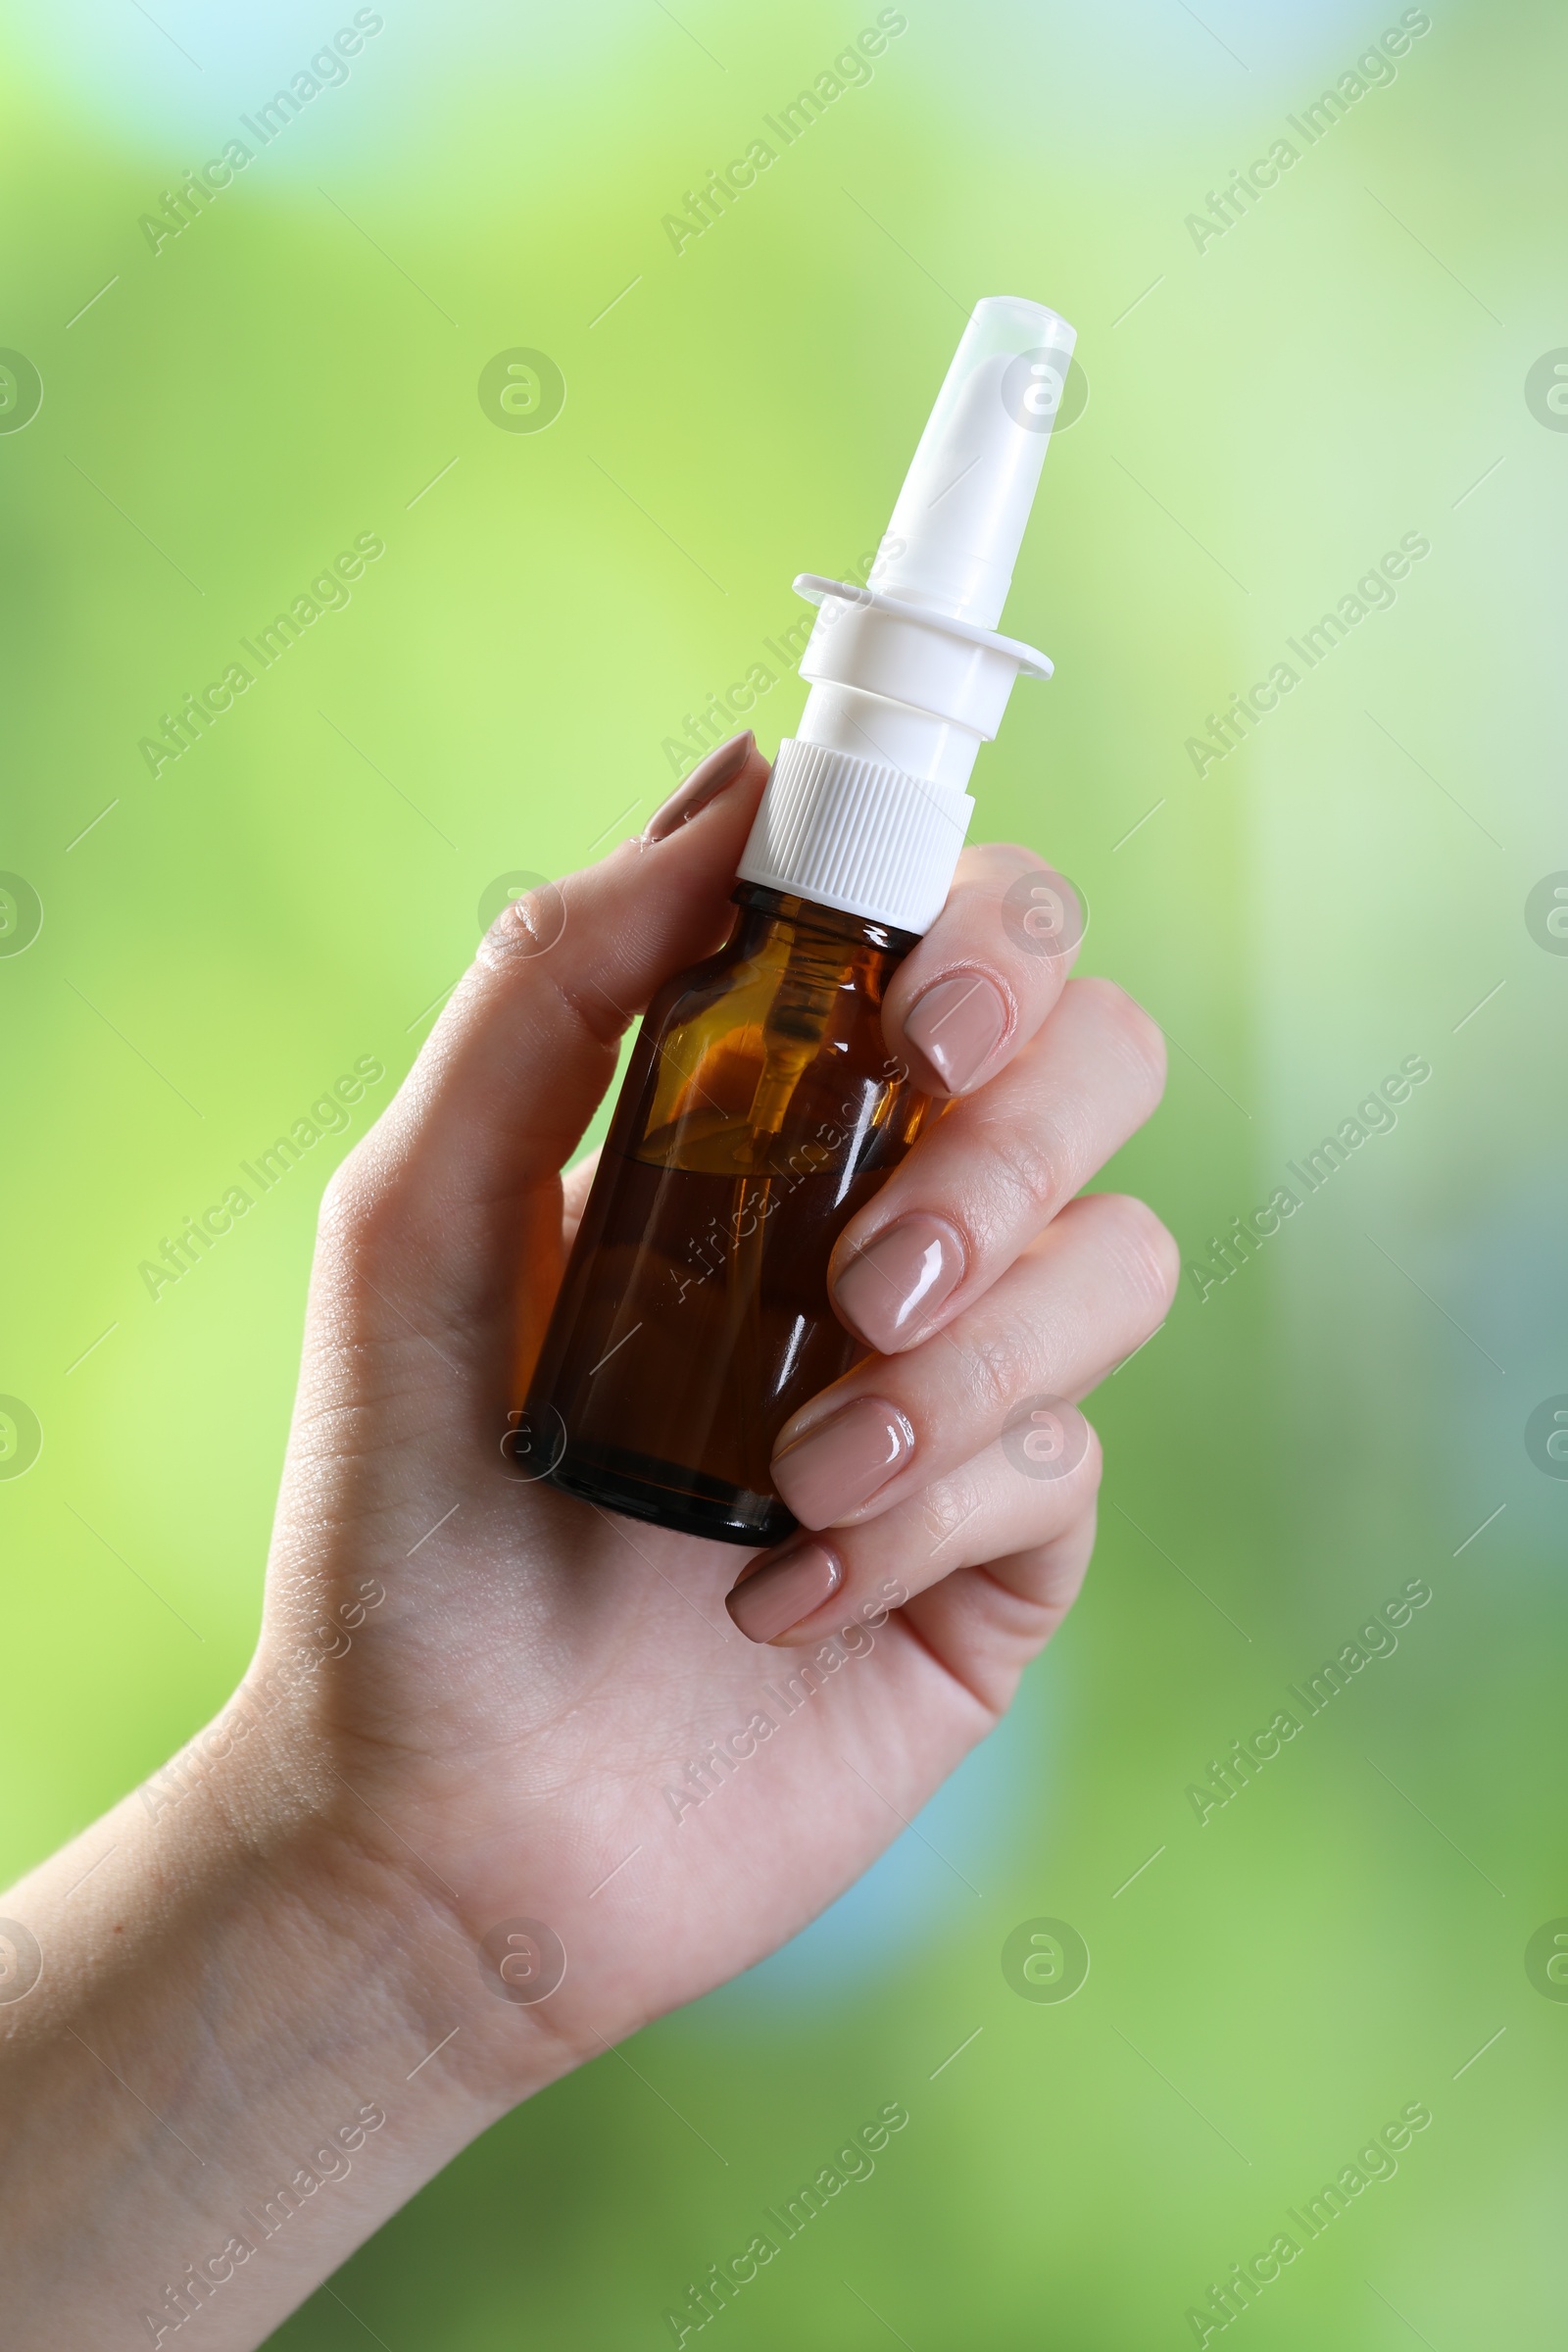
{"points": [[761, 1109]]}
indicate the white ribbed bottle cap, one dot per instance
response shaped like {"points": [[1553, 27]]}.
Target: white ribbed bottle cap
{"points": [[856, 835], [867, 809]]}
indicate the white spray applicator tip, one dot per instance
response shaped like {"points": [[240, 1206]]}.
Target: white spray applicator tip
{"points": [[960, 520]]}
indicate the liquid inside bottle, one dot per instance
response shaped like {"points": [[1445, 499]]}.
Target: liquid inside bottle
{"points": [[761, 1109]]}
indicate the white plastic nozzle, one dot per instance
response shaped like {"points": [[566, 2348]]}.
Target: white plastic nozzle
{"points": [[867, 808], [959, 522]]}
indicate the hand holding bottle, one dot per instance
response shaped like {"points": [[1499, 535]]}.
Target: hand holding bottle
{"points": [[544, 1670], [548, 1788]]}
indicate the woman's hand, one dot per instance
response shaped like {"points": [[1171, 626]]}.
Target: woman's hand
{"points": [[507, 1772], [525, 1707]]}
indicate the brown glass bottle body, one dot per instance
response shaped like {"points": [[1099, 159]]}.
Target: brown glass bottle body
{"points": [[761, 1109]]}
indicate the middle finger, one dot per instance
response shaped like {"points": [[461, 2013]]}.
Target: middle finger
{"points": [[996, 1168], [1093, 1286]]}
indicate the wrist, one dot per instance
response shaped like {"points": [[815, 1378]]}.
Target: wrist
{"points": [[361, 1941], [255, 2036]]}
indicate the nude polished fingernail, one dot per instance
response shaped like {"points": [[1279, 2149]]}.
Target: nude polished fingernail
{"points": [[771, 1599], [842, 1461], [890, 1288], [707, 779], [958, 1025]]}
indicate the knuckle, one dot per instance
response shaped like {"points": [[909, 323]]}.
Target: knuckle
{"points": [[1056, 1570], [339, 1197], [527, 926], [508, 940], [1015, 857], [1029, 1165], [1003, 1365], [946, 1506], [986, 864], [361, 1211], [1146, 1246], [1136, 1032]]}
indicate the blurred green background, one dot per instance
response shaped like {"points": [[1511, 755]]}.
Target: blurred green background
{"points": [[1365, 352]]}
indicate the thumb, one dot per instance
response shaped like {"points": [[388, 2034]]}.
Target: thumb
{"points": [[528, 1042]]}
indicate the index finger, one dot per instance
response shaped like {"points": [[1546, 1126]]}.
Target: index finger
{"points": [[989, 970]]}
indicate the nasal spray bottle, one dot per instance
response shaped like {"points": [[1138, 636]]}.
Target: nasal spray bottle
{"points": [[762, 1106]]}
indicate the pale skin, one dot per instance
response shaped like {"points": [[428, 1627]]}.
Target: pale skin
{"points": [[471, 1693]]}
